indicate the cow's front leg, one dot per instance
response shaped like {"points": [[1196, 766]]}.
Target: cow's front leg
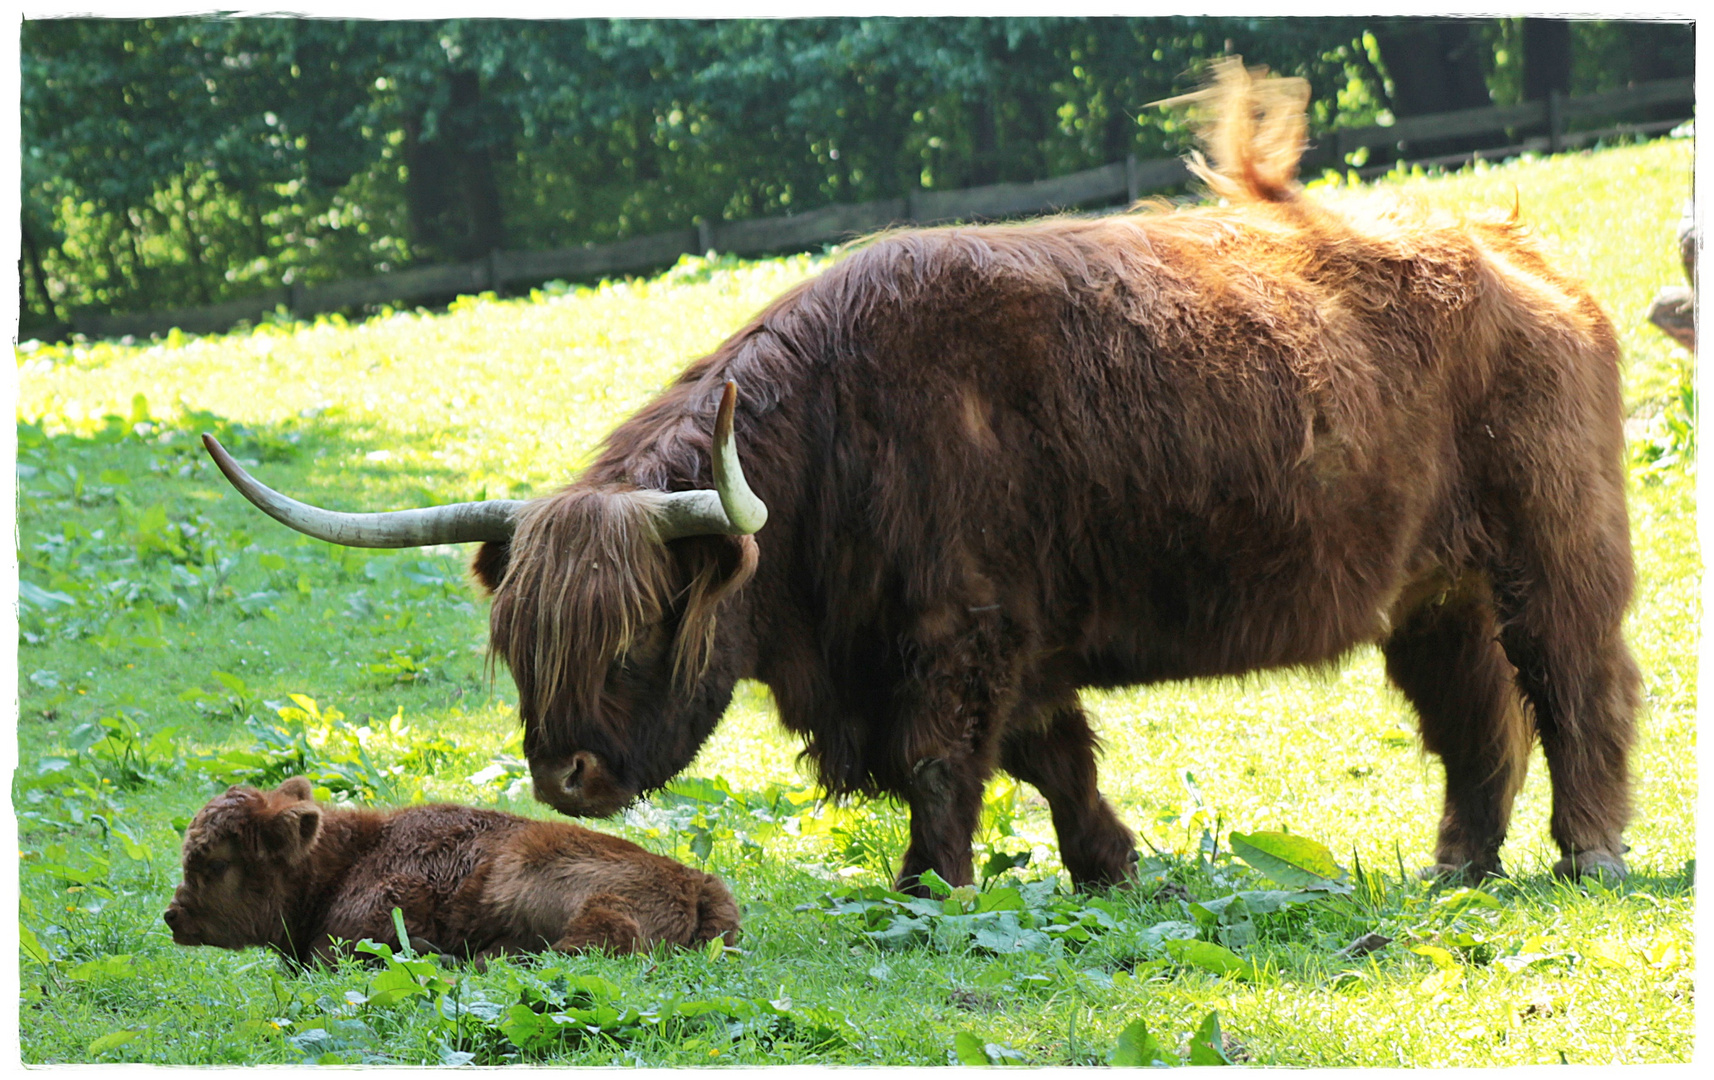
{"points": [[945, 796]]}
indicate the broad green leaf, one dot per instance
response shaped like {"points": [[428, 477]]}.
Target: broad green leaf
{"points": [[1207, 1045], [934, 883], [1210, 957], [31, 946], [404, 938], [31, 595], [112, 1041], [522, 1026], [969, 1050], [1001, 1052], [393, 986], [1443, 960], [1460, 899], [999, 862], [702, 844], [104, 968], [1606, 955], [1137, 1048], [1294, 861]]}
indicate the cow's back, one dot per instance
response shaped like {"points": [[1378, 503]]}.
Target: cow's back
{"points": [[1168, 446]]}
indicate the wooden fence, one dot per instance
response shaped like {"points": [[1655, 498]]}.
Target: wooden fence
{"points": [[1119, 183]]}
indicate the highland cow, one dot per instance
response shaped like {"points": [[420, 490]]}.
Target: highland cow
{"points": [[276, 868], [1000, 464]]}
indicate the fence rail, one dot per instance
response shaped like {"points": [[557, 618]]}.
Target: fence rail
{"points": [[1120, 182]]}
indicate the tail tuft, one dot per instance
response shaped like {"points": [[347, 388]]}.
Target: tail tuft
{"points": [[1252, 127]]}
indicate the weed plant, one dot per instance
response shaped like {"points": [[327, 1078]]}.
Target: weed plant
{"points": [[173, 641]]}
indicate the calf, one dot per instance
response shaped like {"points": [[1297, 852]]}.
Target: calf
{"points": [[276, 868]]}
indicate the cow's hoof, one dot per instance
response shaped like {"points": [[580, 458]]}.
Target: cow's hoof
{"points": [[1591, 864]]}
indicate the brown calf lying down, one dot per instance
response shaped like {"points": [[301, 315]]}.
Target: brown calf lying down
{"points": [[276, 868]]}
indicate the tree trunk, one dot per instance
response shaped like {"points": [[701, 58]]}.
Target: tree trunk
{"points": [[451, 194], [1436, 65], [1547, 58], [985, 137], [32, 257]]}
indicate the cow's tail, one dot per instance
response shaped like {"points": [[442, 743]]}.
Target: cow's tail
{"points": [[1252, 129]]}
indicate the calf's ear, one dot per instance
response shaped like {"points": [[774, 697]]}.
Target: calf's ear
{"points": [[297, 788], [293, 831]]}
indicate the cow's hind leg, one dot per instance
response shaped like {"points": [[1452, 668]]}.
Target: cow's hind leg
{"points": [[1059, 761], [1561, 628], [1445, 658], [602, 923]]}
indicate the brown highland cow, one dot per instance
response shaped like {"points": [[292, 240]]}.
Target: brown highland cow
{"points": [[1001, 464], [276, 868]]}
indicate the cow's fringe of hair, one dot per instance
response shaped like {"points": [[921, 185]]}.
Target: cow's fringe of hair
{"points": [[694, 646], [588, 574], [1252, 127]]}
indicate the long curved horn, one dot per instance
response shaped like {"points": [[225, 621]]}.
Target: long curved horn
{"points": [[457, 523], [731, 509]]}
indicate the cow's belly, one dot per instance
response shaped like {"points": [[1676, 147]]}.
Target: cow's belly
{"points": [[1236, 590]]}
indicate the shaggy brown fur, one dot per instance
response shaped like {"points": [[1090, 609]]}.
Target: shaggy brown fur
{"points": [[1005, 463], [277, 869]]}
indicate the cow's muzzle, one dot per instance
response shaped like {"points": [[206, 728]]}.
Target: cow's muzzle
{"points": [[179, 923], [580, 785]]}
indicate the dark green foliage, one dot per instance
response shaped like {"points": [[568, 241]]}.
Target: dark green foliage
{"points": [[185, 161]]}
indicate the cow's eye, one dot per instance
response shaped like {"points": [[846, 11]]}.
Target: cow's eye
{"points": [[216, 867]]}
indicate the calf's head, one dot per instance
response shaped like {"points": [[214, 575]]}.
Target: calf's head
{"points": [[604, 605], [245, 856]]}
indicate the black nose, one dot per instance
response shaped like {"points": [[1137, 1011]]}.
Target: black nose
{"points": [[172, 916]]}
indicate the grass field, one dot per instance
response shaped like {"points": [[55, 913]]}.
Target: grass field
{"points": [[174, 641]]}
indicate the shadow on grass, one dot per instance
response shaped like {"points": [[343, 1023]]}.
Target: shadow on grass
{"points": [[320, 459]]}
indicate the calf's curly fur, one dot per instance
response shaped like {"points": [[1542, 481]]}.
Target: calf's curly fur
{"points": [[277, 869]]}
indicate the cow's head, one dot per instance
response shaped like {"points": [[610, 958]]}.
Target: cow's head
{"points": [[244, 859], [604, 605]]}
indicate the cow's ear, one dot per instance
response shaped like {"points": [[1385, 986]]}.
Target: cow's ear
{"points": [[488, 566], [297, 789], [293, 831]]}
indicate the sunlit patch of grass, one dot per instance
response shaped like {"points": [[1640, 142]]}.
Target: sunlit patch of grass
{"points": [[156, 600]]}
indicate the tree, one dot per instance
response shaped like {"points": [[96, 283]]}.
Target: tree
{"points": [[1547, 58], [179, 161], [1436, 65]]}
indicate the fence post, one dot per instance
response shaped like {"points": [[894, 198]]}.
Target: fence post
{"points": [[1555, 121], [704, 236], [1133, 182], [295, 300], [496, 273]]}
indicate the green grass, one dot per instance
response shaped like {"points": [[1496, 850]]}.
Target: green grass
{"points": [[159, 604]]}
